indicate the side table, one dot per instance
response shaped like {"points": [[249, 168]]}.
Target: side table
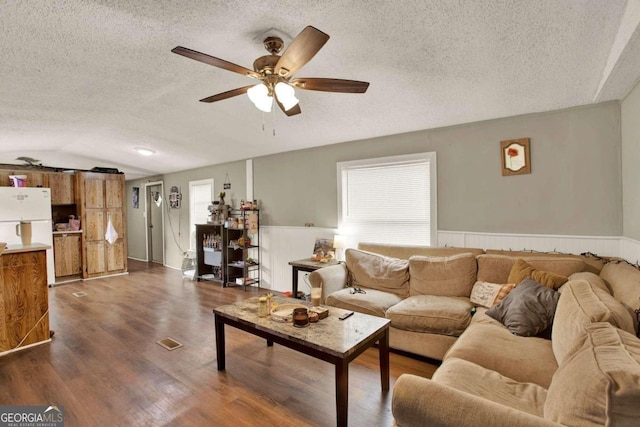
{"points": [[305, 265]]}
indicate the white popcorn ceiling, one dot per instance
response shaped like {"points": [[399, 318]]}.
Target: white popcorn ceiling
{"points": [[84, 82]]}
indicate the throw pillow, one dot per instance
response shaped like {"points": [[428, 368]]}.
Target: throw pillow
{"points": [[375, 271], [527, 310], [521, 270], [487, 294]]}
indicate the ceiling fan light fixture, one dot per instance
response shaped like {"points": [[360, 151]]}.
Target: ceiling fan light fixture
{"points": [[286, 95], [259, 95]]}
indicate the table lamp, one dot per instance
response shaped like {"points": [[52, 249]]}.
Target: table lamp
{"points": [[338, 245]]}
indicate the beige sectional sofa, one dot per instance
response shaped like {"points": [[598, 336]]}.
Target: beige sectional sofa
{"points": [[587, 374], [425, 291]]}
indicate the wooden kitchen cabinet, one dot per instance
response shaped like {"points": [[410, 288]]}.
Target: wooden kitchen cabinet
{"points": [[24, 299], [102, 199], [34, 178], [60, 183], [67, 254], [62, 188]]}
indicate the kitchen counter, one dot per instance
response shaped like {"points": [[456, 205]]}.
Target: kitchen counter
{"points": [[18, 248], [67, 232]]}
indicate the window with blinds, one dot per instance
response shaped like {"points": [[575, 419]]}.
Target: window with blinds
{"points": [[388, 200], [200, 197]]}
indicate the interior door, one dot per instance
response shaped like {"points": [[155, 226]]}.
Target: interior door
{"points": [[155, 205]]}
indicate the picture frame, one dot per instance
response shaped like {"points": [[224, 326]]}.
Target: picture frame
{"points": [[516, 156], [135, 198]]}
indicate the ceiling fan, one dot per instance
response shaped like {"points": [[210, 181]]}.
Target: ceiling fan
{"points": [[276, 73]]}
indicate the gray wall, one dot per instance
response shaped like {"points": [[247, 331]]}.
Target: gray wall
{"points": [[630, 164], [574, 188]]}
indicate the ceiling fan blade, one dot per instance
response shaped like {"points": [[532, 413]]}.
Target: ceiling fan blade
{"points": [[330, 85], [227, 94], [216, 62], [292, 111], [300, 51]]}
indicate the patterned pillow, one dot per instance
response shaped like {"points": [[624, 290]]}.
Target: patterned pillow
{"points": [[488, 294]]}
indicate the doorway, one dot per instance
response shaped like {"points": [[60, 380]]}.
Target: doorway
{"points": [[155, 201]]}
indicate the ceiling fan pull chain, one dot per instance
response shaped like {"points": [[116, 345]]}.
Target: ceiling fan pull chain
{"points": [[273, 118]]}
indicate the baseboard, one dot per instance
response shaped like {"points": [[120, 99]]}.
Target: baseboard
{"points": [[137, 259]]}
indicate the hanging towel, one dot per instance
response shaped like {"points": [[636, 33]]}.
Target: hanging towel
{"points": [[111, 235]]}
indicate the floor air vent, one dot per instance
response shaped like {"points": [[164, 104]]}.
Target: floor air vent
{"points": [[79, 294], [169, 344]]}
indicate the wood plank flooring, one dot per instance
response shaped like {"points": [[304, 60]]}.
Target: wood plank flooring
{"points": [[105, 368]]}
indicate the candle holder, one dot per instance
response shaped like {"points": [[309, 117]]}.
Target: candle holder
{"points": [[300, 317]]}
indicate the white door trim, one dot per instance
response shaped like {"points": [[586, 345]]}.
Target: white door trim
{"points": [[146, 219]]}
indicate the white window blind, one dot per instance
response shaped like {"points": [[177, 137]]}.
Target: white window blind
{"points": [[388, 200], [200, 197]]}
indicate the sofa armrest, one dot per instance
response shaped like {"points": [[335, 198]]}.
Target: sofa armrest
{"points": [[419, 401], [330, 279]]}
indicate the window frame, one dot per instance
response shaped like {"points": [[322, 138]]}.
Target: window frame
{"points": [[429, 157], [192, 201]]}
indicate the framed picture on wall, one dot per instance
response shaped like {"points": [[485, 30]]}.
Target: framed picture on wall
{"points": [[136, 197], [515, 155]]}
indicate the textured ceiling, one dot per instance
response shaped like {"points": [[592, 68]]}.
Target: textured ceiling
{"points": [[84, 82]]}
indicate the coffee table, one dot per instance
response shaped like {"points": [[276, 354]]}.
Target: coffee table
{"points": [[332, 340]]}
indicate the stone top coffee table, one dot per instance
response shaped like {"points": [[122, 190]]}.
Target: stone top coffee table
{"points": [[330, 339]]}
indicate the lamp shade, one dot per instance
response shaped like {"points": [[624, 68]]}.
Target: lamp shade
{"points": [[338, 241], [286, 95], [259, 95]]}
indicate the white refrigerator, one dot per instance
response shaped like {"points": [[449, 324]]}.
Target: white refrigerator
{"points": [[28, 204]]}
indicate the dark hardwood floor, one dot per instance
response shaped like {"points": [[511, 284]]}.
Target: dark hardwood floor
{"points": [[105, 368]]}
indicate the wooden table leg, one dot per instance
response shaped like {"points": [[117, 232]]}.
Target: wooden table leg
{"points": [[219, 342], [294, 287], [342, 392], [383, 347]]}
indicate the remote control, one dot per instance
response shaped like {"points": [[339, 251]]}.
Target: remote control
{"points": [[344, 316]]}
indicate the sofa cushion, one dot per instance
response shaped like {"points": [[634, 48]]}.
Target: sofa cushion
{"points": [[479, 381], [486, 342], [487, 294], [373, 271], [521, 270], [591, 263], [600, 383], [432, 314], [624, 281], [581, 304], [590, 277], [527, 310], [496, 268], [374, 302], [452, 276]]}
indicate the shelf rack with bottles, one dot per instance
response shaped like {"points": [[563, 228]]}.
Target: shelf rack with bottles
{"points": [[242, 248], [210, 253]]}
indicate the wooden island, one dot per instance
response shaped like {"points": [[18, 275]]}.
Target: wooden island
{"points": [[24, 297]]}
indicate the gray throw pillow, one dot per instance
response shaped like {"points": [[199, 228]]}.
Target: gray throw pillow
{"points": [[528, 309]]}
